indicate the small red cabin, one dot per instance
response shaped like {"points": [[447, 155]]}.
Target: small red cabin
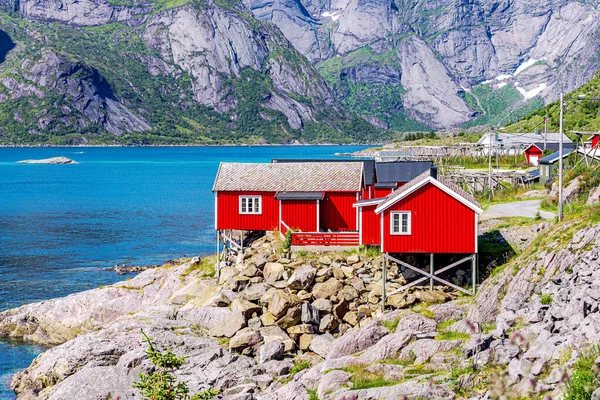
{"points": [[533, 154], [429, 214]]}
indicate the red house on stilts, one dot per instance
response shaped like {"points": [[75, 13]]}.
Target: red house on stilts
{"points": [[403, 208]]}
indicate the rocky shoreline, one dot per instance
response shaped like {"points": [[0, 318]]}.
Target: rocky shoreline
{"points": [[279, 325]]}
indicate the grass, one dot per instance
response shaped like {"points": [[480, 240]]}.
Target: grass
{"points": [[508, 195], [447, 335], [584, 378], [546, 299], [312, 394], [363, 379], [391, 325], [204, 268], [299, 366]]}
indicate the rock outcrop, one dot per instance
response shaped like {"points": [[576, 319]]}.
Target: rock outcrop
{"points": [[53, 160]]}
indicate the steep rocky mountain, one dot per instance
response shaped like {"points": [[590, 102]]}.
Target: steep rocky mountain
{"points": [[444, 62], [166, 72]]}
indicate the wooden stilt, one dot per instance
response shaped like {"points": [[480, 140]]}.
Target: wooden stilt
{"points": [[383, 279], [431, 271], [474, 273]]}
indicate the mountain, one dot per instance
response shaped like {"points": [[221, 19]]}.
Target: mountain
{"points": [[443, 63], [581, 111], [175, 71]]}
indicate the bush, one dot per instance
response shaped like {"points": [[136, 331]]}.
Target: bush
{"points": [[287, 243], [584, 379], [161, 384], [546, 299]]}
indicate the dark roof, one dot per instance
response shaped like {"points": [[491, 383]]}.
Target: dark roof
{"points": [[386, 185], [552, 158], [400, 171], [531, 176], [369, 172], [299, 196], [401, 191]]}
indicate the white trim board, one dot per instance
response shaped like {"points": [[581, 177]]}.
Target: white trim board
{"points": [[429, 179]]}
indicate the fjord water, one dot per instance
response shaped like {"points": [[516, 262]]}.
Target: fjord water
{"points": [[62, 225]]}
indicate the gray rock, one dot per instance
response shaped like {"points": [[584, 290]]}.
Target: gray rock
{"points": [[115, 382], [357, 340], [273, 272], [244, 338], [310, 315], [229, 327], [302, 277], [323, 305], [504, 351], [321, 343], [332, 381], [388, 348], [328, 323], [413, 322], [270, 351], [476, 344], [326, 289]]}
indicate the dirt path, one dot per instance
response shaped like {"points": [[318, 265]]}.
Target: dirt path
{"points": [[528, 208]]}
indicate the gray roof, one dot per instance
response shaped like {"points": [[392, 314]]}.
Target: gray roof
{"points": [[290, 177], [523, 138], [400, 171], [443, 180], [552, 158], [299, 196]]}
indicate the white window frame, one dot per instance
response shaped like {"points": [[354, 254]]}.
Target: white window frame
{"points": [[401, 214], [255, 201]]}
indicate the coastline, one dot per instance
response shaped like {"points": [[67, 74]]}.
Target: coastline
{"points": [[188, 145]]}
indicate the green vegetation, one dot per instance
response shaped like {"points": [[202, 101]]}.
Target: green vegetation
{"points": [[287, 243], [312, 394], [113, 60], [584, 378], [579, 113], [161, 384], [299, 365], [391, 325], [500, 106], [546, 299], [447, 335], [381, 101], [363, 379], [205, 267]]}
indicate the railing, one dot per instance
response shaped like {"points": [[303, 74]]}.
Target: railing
{"points": [[325, 239]]}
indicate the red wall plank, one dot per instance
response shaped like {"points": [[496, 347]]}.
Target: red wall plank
{"points": [[337, 213], [229, 216], [370, 230], [299, 215], [440, 224], [595, 141]]}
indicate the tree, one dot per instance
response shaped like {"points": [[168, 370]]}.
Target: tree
{"points": [[161, 384]]}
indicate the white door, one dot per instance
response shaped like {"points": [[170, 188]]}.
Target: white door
{"points": [[534, 160]]}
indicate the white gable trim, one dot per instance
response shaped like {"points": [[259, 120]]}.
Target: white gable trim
{"points": [[372, 202], [429, 179]]}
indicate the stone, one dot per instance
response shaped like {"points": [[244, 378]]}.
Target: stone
{"points": [[273, 272], [348, 272], [276, 367], [305, 341], [325, 306], [320, 344], [477, 344], [310, 315], [351, 318], [357, 340], [594, 196], [243, 339], [417, 323], [237, 283], [245, 307], [268, 319], [302, 277], [275, 333], [504, 351], [465, 326], [349, 293], [300, 329], [541, 348], [326, 289], [401, 300], [229, 327], [388, 348], [226, 274], [328, 323], [340, 309], [353, 259], [271, 351], [207, 317], [332, 381], [325, 260], [254, 292], [448, 311], [279, 304], [291, 317], [250, 270]]}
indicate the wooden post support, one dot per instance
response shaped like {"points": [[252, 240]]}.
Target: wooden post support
{"points": [[383, 279], [431, 271], [242, 241], [217, 266], [474, 273]]}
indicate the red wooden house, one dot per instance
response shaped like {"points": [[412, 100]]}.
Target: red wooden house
{"points": [[533, 154], [595, 138]]}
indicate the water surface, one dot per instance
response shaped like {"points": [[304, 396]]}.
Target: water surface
{"points": [[62, 225]]}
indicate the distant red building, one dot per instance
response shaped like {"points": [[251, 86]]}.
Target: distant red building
{"points": [[595, 138], [533, 154]]}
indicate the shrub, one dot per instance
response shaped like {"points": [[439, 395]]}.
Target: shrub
{"points": [[546, 299], [287, 243], [584, 379], [161, 384]]}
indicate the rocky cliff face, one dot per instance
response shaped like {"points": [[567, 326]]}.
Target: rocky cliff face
{"points": [[441, 48], [200, 72]]}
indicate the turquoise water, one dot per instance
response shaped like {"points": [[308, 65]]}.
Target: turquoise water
{"points": [[61, 225]]}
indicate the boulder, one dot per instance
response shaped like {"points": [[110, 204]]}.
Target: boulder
{"points": [[271, 351], [244, 338], [229, 327], [448, 311], [255, 292], [279, 304], [340, 309], [207, 317], [594, 196], [353, 259], [291, 317], [389, 347], [276, 334], [357, 340], [300, 329], [310, 315], [305, 341], [351, 317], [477, 344], [326, 289], [320, 344], [302, 277], [416, 323], [328, 323], [332, 381], [273, 272], [245, 307], [323, 305]]}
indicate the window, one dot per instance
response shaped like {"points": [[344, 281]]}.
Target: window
{"points": [[250, 205], [400, 222]]}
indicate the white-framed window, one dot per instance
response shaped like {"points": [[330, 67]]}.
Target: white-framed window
{"points": [[250, 204], [400, 223]]}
